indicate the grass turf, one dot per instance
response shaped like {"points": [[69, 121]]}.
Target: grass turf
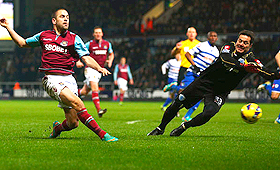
{"points": [[226, 142]]}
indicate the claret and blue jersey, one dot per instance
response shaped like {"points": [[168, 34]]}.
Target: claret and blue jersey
{"points": [[59, 52]]}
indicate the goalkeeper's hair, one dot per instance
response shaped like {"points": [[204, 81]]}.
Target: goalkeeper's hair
{"points": [[248, 33]]}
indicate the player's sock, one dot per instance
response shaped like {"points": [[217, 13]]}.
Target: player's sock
{"points": [[191, 110], [268, 87], [62, 127], [167, 101], [89, 121], [95, 100], [79, 92], [121, 97], [169, 114]]}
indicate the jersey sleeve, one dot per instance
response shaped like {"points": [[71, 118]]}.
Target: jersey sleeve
{"points": [[116, 70], [34, 41], [129, 73], [195, 50], [110, 49], [87, 45], [164, 67], [80, 47]]}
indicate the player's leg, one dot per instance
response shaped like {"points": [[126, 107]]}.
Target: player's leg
{"points": [[121, 96], [71, 122], [212, 105], [84, 90], [265, 86], [167, 101], [122, 84], [187, 98], [187, 116], [69, 99], [95, 98]]}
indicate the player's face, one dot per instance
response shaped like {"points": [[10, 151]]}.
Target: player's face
{"points": [[212, 37], [191, 33], [243, 44], [62, 20], [98, 34], [123, 60]]}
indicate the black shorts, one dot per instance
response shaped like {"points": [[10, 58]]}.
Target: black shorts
{"points": [[181, 74], [197, 91]]}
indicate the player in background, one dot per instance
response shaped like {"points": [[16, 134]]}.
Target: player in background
{"points": [[121, 75], [215, 83], [99, 50], [203, 54], [182, 47], [173, 66], [273, 89], [60, 50]]}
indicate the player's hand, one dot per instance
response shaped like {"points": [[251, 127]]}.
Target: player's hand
{"points": [[252, 67], [179, 45], [109, 63], [131, 82], [195, 69], [104, 71], [79, 64], [4, 22], [116, 82]]}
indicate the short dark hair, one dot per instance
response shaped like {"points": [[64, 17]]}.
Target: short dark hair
{"points": [[54, 13], [97, 27], [248, 33]]}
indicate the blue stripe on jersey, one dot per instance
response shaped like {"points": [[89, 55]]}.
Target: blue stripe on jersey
{"points": [[34, 40], [201, 58]]}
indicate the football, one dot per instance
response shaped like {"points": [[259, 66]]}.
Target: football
{"points": [[251, 113]]}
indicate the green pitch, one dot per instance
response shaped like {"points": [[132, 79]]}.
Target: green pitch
{"points": [[226, 142]]}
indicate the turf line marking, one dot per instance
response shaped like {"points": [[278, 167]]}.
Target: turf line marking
{"points": [[134, 121]]}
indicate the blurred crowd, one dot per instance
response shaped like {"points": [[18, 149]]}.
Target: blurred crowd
{"points": [[124, 17], [143, 54]]}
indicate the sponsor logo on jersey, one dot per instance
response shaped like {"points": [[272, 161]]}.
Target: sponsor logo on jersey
{"points": [[100, 52], [226, 49], [123, 70], [64, 43], [55, 48], [258, 62]]}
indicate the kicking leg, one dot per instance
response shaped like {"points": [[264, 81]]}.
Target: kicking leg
{"points": [[76, 103], [71, 122]]}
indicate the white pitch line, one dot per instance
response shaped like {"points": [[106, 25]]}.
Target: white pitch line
{"points": [[134, 121]]}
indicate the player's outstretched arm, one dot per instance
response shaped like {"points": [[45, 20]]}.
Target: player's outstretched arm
{"points": [[89, 61], [20, 41]]}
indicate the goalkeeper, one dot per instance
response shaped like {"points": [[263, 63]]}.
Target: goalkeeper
{"points": [[204, 54], [215, 83]]}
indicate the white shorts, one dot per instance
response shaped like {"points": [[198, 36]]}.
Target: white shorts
{"points": [[54, 84], [122, 84], [91, 75]]}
